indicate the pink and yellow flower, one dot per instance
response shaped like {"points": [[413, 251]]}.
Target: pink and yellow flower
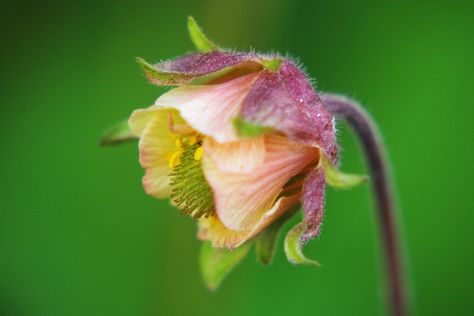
{"points": [[239, 142]]}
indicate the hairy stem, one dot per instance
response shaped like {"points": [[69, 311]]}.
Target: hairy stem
{"points": [[367, 132]]}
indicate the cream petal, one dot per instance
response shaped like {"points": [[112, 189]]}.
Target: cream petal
{"points": [[239, 156], [213, 229], [140, 118], [210, 109], [242, 198], [156, 181], [156, 141]]}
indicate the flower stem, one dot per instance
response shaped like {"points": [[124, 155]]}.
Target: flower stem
{"points": [[367, 132]]}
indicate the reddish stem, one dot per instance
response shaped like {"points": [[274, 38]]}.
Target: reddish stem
{"points": [[367, 132]]}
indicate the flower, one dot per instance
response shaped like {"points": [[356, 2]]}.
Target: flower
{"points": [[239, 143], [198, 147]]}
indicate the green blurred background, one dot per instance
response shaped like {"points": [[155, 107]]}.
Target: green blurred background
{"points": [[79, 237]]}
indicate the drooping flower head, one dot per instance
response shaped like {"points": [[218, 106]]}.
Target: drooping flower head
{"points": [[239, 143]]}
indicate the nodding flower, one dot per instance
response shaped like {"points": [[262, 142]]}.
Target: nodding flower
{"points": [[240, 141]]}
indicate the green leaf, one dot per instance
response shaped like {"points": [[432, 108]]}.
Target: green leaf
{"points": [[158, 77], [338, 179], [117, 134], [265, 242], [293, 250], [272, 64], [200, 40], [247, 129], [217, 263]]}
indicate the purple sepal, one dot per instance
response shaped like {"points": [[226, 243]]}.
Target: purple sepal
{"points": [[312, 201], [286, 101], [184, 69]]}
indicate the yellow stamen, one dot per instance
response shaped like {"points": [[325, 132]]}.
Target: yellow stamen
{"points": [[179, 143], [192, 140], [175, 159], [168, 156], [198, 153]]}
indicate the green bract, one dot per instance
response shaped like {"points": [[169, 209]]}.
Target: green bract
{"points": [[200, 40], [216, 263], [293, 247], [265, 242], [272, 64], [117, 134], [247, 129], [338, 179]]}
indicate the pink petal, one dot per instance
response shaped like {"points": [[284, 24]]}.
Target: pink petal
{"points": [[286, 101], [314, 188], [220, 236], [235, 157], [210, 109], [242, 198]]}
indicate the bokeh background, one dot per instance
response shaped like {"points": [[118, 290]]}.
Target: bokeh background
{"points": [[78, 236]]}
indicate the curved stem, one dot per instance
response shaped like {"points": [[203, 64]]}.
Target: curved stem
{"points": [[367, 132]]}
